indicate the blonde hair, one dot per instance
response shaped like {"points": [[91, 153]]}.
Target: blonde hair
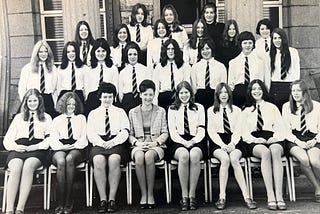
{"points": [[35, 58]]}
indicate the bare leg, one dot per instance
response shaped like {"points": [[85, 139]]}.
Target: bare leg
{"points": [[150, 157], [141, 175], [314, 157], [182, 156], [59, 160], [276, 154], [114, 175], [224, 159], [100, 162]]}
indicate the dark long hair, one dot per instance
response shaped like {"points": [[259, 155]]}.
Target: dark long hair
{"points": [[226, 38], [25, 109], [115, 35], [265, 22], [131, 45], [306, 98], [177, 102], [284, 50], [134, 12], [155, 28], [194, 37], [77, 38], [178, 56], [217, 102], [101, 42], [176, 22], [206, 41], [250, 101], [65, 59], [214, 7]]}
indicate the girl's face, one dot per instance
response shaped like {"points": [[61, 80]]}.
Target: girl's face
{"points": [[161, 30], [223, 96], [43, 53], [277, 40], [296, 93], [132, 56], [83, 32], [247, 46], [256, 92], [71, 53], [147, 97], [122, 35], [140, 15], [232, 31], [264, 31], [200, 29], [71, 106], [168, 16], [106, 99], [101, 54], [206, 52], [32, 102], [184, 95], [170, 52], [209, 15]]}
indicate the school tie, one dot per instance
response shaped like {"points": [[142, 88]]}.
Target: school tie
{"points": [[138, 39], [259, 119], [207, 80], [31, 128], [107, 125], [283, 69], [134, 83], [42, 81], [172, 77], [246, 72], [226, 124], [162, 43], [70, 134], [266, 46], [101, 74], [84, 52], [73, 78], [186, 121], [303, 121]]}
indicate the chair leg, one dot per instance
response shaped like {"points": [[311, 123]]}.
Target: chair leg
{"points": [[292, 180], [205, 182], [250, 179], [49, 187], [87, 184], [4, 198], [45, 204], [210, 180], [166, 181], [169, 172], [246, 173], [91, 186], [288, 180], [129, 183]]}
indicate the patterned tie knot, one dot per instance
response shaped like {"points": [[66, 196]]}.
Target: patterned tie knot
{"points": [[266, 46]]}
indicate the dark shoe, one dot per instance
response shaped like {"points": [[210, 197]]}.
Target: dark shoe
{"points": [[19, 212], [221, 204], [143, 206], [317, 198], [272, 205], [58, 210], [102, 207], [151, 206], [111, 206], [250, 204], [281, 205], [184, 204], [193, 203]]}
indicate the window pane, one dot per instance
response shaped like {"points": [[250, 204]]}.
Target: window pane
{"points": [[102, 24], [52, 4], [54, 27], [101, 4], [57, 48], [272, 13]]}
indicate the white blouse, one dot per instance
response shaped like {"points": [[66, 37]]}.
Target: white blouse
{"points": [[154, 52], [146, 35]]}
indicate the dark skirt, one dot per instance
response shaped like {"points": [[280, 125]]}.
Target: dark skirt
{"points": [[92, 102], [165, 99], [226, 138], [306, 137], [122, 149], [205, 97], [174, 146], [264, 134], [129, 102], [42, 155], [49, 105], [239, 95], [78, 92], [83, 152], [279, 93]]}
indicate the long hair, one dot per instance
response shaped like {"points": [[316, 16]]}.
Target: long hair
{"points": [[134, 12], [178, 55], [65, 59], [101, 42], [176, 22], [214, 7], [24, 106], [77, 38], [131, 45], [115, 35], [250, 101], [155, 28], [226, 38], [62, 103], [306, 97], [284, 50], [194, 37], [35, 57], [206, 41], [217, 102], [177, 102], [265, 22]]}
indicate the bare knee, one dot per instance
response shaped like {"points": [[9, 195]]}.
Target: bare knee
{"points": [[15, 166], [276, 151], [99, 162], [184, 157], [150, 157], [139, 158], [70, 159], [114, 161], [314, 155]]}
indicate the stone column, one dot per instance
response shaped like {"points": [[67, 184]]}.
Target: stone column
{"points": [[75, 11]]}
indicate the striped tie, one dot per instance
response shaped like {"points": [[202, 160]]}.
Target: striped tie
{"points": [[31, 128], [70, 134], [207, 80], [283, 68], [226, 124], [266, 46], [134, 83], [259, 119], [186, 121], [107, 125], [173, 89], [101, 74], [138, 39], [246, 72], [303, 121], [73, 78], [84, 52], [42, 82]]}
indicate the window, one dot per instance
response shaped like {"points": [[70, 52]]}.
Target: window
{"points": [[103, 24], [220, 10]]}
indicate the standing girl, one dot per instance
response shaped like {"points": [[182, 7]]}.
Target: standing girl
{"points": [[263, 44], [84, 39]]}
